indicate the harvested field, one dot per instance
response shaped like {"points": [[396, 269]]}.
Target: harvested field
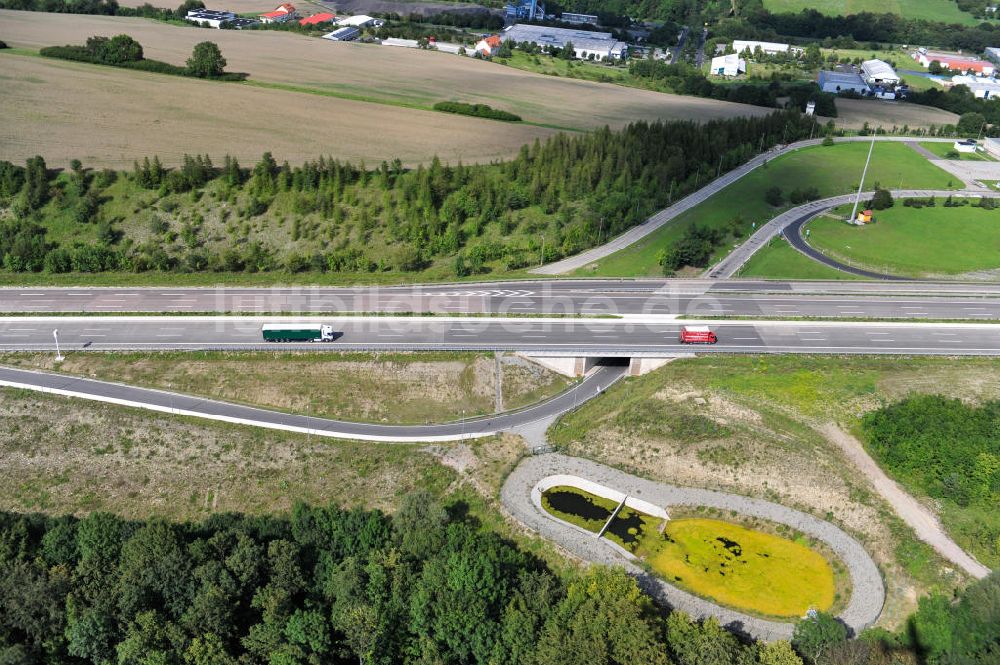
{"points": [[853, 113], [386, 388], [380, 74], [108, 117]]}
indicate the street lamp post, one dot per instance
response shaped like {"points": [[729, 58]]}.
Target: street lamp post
{"points": [[541, 256], [55, 336]]}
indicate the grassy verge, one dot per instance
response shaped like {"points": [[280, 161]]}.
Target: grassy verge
{"points": [[64, 455], [779, 260], [947, 151], [928, 10], [394, 387], [750, 425], [831, 170], [915, 242]]}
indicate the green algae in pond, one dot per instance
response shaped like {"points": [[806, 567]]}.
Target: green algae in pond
{"points": [[577, 507]]}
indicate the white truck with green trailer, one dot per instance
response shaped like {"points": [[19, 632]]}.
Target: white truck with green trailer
{"points": [[297, 332]]}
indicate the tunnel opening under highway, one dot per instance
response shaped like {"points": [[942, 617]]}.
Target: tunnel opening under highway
{"points": [[583, 365]]}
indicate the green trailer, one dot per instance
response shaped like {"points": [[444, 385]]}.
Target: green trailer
{"points": [[297, 332]]}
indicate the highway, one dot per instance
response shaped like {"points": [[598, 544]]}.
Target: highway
{"points": [[590, 337], [692, 298]]}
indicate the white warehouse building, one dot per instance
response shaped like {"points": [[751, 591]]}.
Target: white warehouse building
{"points": [[728, 65], [879, 72], [586, 44], [770, 48]]}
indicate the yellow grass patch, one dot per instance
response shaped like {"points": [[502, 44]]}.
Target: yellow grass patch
{"points": [[744, 569]]}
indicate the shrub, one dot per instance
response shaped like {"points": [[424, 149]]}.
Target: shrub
{"points": [[774, 196], [476, 110]]}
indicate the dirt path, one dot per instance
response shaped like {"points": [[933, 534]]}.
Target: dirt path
{"points": [[922, 520]]}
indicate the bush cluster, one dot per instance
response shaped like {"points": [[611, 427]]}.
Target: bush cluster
{"points": [[477, 110]]}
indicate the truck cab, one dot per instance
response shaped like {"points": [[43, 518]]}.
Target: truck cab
{"points": [[326, 333], [697, 335]]}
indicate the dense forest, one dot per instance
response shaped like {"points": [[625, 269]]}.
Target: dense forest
{"points": [[567, 193], [948, 450], [427, 585]]}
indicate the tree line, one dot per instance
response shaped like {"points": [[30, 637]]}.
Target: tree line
{"points": [[426, 585], [206, 59], [575, 190]]}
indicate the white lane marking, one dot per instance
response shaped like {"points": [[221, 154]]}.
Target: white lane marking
{"points": [[744, 339], [22, 329], [32, 294], [9, 335], [95, 335], [169, 334], [78, 294]]}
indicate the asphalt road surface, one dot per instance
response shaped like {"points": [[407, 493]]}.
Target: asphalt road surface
{"points": [[693, 298], [168, 402], [591, 337]]}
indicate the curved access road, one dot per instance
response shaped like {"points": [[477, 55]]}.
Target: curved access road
{"points": [[199, 407], [867, 589], [790, 223], [666, 215]]}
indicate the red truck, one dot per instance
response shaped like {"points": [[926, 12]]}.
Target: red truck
{"points": [[697, 335]]}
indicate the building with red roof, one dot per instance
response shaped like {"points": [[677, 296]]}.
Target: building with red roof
{"points": [[489, 45], [956, 62], [281, 14], [316, 19]]}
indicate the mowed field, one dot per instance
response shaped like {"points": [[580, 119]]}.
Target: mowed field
{"points": [[930, 10], [109, 117], [378, 73]]}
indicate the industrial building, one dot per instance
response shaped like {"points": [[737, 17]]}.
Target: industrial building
{"points": [[770, 48], [360, 21], [837, 82], [524, 10], [212, 18], [345, 34], [956, 62], [993, 53], [879, 73], [316, 19], [982, 88], [728, 65], [579, 19], [586, 45]]}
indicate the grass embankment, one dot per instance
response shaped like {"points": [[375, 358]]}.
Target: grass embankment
{"points": [[831, 170], [749, 425], [779, 260], [947, 151], [914, 242], [752, 571], [63, 455], [944, 11], [385, 388]]}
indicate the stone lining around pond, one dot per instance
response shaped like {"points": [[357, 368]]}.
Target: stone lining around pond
{"points": [[522, 496]]}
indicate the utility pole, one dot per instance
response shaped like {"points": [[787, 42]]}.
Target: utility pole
{"points": [[854, 210], [541, 256], [600, 232], [55, 335]]}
